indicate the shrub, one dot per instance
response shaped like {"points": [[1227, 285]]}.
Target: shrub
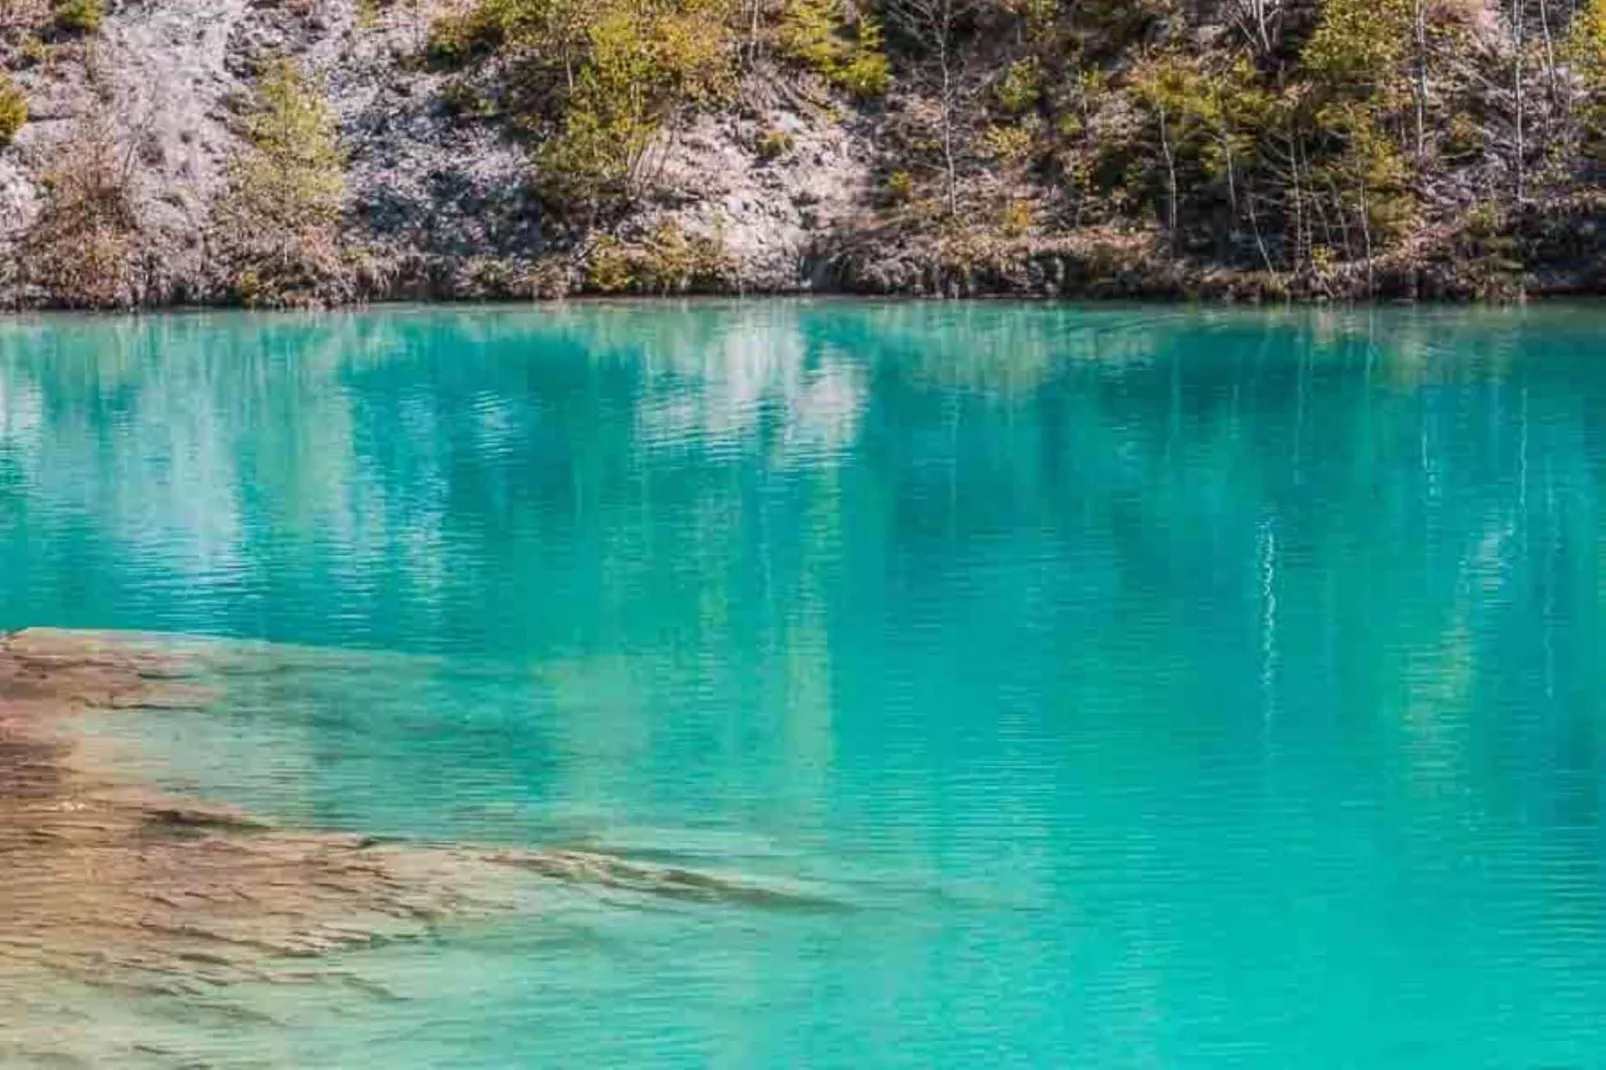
{"points": [[13, 109], [1008, 144], [850, 57], [276, 225], [80, 16], [460, 98], [457, 39], [609, 269], [82, 248], [1017, 219], [1019, 87], [773, 144], [667, 261], [868, 73]]}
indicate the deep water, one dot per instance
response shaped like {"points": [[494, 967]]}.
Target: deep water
{"points": [[1151, 687]]}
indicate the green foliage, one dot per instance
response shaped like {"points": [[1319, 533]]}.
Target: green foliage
{"points": [[460, 98], [667, 261], [595, 80], [80, 16], [1360, 44], [277, 221], [1586, 47], [901, 187], [850, 56], [609, 269], [1019, 87], [1008, 145], [773, 144], [1369, 173], [1169, 86], [13, 109], [1489, 254], [1017, 220]]}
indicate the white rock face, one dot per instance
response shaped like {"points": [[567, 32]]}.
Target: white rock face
{"points": [[437, 197]]}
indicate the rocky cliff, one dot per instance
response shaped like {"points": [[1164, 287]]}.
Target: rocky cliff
{"points": [[1061, 150]]}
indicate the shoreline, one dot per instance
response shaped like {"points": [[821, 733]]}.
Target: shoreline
{"points": [[123, 887], [1542, 299]]}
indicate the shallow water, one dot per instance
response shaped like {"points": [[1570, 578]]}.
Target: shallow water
{"points": [[1144, 687]]}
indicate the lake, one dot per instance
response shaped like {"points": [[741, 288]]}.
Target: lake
{"points": [[1138, 686]]}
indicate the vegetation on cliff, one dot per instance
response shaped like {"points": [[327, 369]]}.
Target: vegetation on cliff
{"points": [[1314, 146], [276, 227], [1306, 148]]}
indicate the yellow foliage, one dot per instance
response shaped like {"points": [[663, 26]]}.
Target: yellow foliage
{"points": [[848, 55], [596, 80], [667, 261], [13, 109], [80, 16]]}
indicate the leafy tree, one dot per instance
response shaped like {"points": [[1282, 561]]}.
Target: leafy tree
{"points": [[597, 80], [1586, 47], [1169, 86], [849, 55], [1360, 45], [277, 222]]}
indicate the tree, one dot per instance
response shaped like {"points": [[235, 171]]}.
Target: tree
{"points": [[1260, 21], [847, 54], [1171, 89], [277, 223], [83, 248], [933, 27], [1586, 48], [597, 81]]}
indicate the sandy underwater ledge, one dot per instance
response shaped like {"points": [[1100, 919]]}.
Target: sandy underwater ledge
{"points": [[114, 884]]}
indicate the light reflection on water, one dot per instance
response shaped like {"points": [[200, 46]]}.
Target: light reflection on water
{"points": [[1161, 686]]}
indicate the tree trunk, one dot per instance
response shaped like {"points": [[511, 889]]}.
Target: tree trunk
{"points": [[944, 59], [1522, 147], [1171, 176], [1420, 20]]}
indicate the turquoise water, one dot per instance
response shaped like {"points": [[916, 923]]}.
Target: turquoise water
{"points": [[1149, 687]]}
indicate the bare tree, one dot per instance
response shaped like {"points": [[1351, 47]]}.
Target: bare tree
{"points": [[933, 27], [1520, 46], [1261, 22], [1419, 28]]}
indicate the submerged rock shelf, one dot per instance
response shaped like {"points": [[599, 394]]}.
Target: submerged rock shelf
{"points": [[118, 885]]}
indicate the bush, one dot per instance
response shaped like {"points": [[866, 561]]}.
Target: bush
{"points": [[276, 225], [773, 144], [80, 16], [1017, 219], [850, 58], [609, 269], [13, 109], [457, 39], [82, 248], [668, 261], [1019, 88], [1008, 145]]}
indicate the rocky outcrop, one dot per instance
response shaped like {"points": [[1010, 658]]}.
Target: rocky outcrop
{"points": [[786, 179]]}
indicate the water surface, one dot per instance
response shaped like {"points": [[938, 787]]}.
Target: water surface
{"points": [[1150, 687]]}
